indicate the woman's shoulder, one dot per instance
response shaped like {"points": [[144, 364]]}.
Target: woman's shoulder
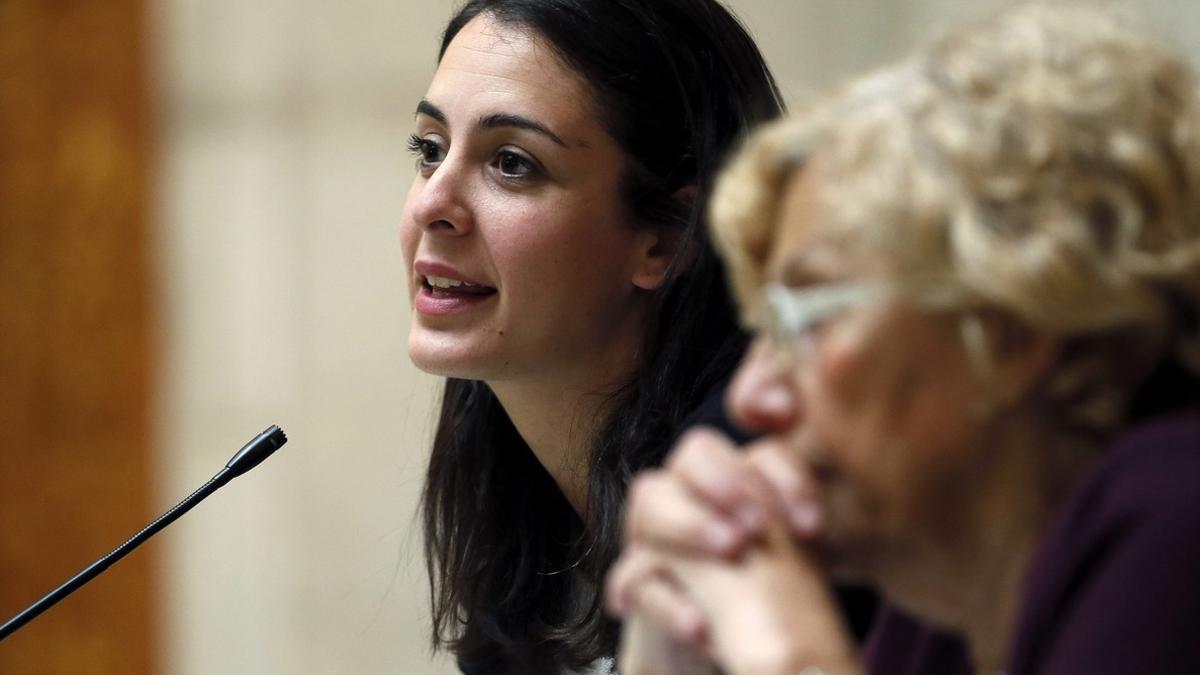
{"points": [[1149, 477], [1113, 587], [711, 412], [1155, 447]]}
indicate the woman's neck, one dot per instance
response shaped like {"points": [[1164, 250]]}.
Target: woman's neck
{"points": [[559, 424], [971, 578], [560, 416]]}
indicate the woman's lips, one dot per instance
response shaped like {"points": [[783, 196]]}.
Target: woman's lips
{"points": [[443, 290], [429, 269], [433, 301]]}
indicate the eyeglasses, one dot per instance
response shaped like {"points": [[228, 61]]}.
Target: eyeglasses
{"points": [[794, 313]]}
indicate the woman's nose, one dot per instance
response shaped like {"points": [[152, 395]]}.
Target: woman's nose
{"points": [[442, 203], [764, 396]]}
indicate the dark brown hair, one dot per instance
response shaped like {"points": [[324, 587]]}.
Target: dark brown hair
{"points": [[515, 573]]}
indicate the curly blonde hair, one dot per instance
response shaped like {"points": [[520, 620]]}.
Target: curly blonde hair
{"points": [[1044, 162]]}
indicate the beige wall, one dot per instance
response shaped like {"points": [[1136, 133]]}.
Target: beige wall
{"points": [[282, 178]]}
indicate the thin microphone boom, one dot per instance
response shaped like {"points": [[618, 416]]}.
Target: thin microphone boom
{"points": [[250, 456]]}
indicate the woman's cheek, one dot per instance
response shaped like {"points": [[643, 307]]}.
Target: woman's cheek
{"points": [[840, 372], [833, 408], [850, 409]]}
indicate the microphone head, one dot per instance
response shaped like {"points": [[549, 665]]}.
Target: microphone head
{"points": [[258, 449], [276, 436]]}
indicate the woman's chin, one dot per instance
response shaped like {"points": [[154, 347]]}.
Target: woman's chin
{"points": [[441, 355]]}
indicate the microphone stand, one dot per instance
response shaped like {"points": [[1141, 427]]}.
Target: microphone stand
{"points": [[250, 456]]}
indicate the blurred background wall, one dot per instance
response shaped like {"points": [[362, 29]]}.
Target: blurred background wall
{"points": [[77, 321], [198, 209]]}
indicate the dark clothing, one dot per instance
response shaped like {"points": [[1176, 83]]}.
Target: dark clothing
{"points": [[485, 668], [899, 645], [481, 668], [711, 413], [1114, 587]]}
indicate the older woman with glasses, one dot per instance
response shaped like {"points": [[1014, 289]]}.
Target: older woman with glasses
{"points": [[975, 276]]}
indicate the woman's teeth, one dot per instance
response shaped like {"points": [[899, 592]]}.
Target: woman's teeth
{"points": [[446, 286], [443, 282]]}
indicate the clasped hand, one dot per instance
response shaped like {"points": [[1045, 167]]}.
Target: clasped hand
{"points": [[719, 567]]}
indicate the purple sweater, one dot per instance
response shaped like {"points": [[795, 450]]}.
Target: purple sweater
{"points": [[1114, 587]]}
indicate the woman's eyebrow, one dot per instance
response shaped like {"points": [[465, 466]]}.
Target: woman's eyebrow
{"points": [[498, 120], [427, 108], [493, 121], [797, 269]]}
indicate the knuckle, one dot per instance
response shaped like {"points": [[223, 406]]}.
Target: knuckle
{"points": [[695, 443], [641, 483]]}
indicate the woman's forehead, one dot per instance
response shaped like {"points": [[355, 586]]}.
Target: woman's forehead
{"points": [[509, 46], [795, 252], [496, 63], [804, 247]]}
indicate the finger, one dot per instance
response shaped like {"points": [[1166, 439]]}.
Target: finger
{"points": [[662, 513], [633, 566], [712, 467], [796, 491], [639, 583], [666, 605]]}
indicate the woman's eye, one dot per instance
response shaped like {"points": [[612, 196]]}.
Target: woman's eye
{"points": [[513, 165], [428, 152]]}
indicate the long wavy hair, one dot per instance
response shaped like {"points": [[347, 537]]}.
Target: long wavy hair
{"points": [[515, 573]]}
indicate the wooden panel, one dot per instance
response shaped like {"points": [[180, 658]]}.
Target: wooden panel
{"points": [[74, 330]]}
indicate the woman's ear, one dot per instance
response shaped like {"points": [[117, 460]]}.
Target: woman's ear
{"points": [[1023, 357], [660, 248], [656, 250]]}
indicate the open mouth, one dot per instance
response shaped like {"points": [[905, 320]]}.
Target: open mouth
{"points": [[444, 287]]}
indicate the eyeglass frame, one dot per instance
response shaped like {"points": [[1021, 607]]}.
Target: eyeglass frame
{"points": [[793, 312]]}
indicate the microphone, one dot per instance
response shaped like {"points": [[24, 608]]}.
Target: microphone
{"points": [[250, 456]]}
